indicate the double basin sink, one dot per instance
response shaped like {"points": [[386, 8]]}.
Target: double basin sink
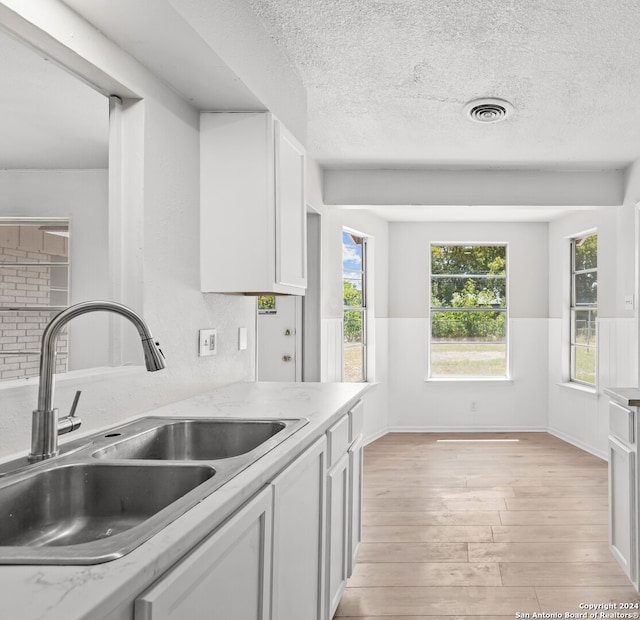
{"points": [[108, 493]]}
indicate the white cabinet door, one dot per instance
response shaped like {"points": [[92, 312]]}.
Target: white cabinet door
{"points": [[337, 536], [291, 215], [622, 501], [355, 503], [299, 507], [252, 205], [227, 577]]}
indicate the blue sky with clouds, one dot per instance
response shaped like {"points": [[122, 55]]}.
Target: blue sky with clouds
{"points": [[351, 255]]}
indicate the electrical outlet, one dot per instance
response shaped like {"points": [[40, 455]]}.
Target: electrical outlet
{"points": [[208, 342]]}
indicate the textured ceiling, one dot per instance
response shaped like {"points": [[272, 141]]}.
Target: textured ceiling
{"points": [[387, 79]]}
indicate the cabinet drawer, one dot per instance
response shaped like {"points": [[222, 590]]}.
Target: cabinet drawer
{"points": [[621, 422], [338, 440], [356, 421]]}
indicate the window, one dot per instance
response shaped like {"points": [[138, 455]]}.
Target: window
{"points": [[468, 311], [354, 283], [584, 308], [267, 304], [34, 277]]}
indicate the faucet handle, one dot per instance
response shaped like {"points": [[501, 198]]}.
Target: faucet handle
{"points": [[70, 423], [74, 405]]}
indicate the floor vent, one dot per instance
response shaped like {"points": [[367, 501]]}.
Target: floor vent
{"points": [[477, 440]]}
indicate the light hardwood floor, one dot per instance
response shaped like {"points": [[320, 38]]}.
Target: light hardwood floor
{"points": [[482, 529]]}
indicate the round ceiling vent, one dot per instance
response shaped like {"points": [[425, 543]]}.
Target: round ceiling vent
{"points": [[488, 110]]}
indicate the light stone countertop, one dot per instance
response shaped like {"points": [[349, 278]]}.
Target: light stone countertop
{"points": [[629, 397], [107, 590]]}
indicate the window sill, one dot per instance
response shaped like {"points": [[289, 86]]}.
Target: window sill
{"points": [[577, 387]]}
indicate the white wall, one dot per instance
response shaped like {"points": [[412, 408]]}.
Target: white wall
{"points": [[474, 187], [376, 229], [416, 404], [578, 416], [167, 196], [333, 220]]}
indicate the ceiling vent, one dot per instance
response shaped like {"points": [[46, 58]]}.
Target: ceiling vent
{"points": [[488, 110]]}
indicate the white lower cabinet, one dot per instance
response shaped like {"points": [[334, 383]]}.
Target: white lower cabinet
{"points": [[623, 493], [337, 532], [227, 577], [622, 534], [299, 502], [286, 554], [355, 503]]}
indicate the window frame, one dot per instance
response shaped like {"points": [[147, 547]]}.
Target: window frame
{"points": [[429, 370], [362, 309], [574, 307]]}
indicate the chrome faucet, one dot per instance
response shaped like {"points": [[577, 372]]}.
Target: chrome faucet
{"points": [[45, 424]]}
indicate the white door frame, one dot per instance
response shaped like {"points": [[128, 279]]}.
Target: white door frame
{"points": [[311, 304]]}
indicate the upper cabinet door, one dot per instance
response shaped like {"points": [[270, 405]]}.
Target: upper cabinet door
{"points": [[291, 220], [252, 205]]}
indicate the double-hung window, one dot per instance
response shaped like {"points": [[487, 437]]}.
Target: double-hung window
{"points": [[584, 309], [468, 313], [354, 285]]}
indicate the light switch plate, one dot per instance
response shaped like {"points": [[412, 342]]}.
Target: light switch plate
{"points": [[628, 302], [242, 338], [208, 342]]}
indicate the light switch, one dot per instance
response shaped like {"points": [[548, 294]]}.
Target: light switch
{"points": [[628, 302], [242, 338], [208, 342]]}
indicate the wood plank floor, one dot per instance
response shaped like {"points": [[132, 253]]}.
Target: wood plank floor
{"points": [[482, 530]]}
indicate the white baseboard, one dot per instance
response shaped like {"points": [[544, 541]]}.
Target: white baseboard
{"points": [[578, 444], [376, 435]]}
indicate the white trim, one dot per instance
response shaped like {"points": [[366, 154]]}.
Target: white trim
{"points": [[377, 435], [312, 301], [508, 375], [298, 354], [367, 299], [577, 443], [580, 387], [569, 345]]}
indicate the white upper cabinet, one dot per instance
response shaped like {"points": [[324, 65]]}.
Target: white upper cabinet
{"points": [[252, 205]]}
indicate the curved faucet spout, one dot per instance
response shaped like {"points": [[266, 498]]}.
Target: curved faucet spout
{"points": [[44, 435]]}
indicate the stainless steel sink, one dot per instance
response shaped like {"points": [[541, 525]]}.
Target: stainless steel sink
{"points": [[195, 440], [74, 504], [108, 493]]}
